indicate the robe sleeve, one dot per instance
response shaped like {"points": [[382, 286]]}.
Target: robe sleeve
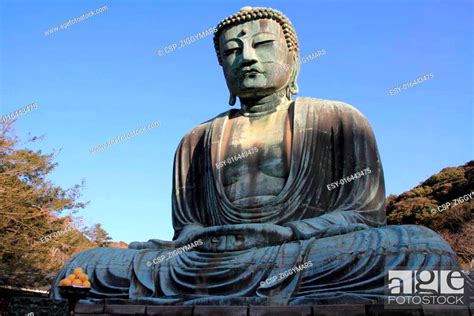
{"points": [[345, 147], [187, 169]]}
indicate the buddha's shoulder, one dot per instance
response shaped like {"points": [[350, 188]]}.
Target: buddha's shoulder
{"points": [[334, 107], [199, 130]]}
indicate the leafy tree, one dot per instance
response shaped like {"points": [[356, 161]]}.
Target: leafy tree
{"points": [[98, 235], [32, 208]]}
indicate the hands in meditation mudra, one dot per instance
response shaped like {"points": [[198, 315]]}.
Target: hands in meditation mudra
{"points": [[270, 211]]}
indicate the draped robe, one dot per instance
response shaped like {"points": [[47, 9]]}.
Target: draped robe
{"points": [[330, 141]]}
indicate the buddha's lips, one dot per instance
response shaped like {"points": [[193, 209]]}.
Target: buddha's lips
{"points": [[248, 70]]}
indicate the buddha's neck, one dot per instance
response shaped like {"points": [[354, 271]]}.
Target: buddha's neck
{"points": [[264, 105]]}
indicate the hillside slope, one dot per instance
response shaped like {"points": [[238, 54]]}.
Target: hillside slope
{"points": [[444, 203]]}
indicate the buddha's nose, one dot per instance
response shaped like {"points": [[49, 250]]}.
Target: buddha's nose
{"points": [[249, 55]]}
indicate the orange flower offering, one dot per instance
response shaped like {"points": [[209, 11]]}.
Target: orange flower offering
{"points": [[76, 278]]}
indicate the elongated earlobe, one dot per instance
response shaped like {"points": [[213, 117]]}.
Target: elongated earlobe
{"points": [[232, 99], [294, 88]]}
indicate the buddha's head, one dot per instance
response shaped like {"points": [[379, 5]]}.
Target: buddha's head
{"points": [[259, 53]]}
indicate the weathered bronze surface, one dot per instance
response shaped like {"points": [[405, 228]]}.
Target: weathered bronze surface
{"points": [[253, 185]]}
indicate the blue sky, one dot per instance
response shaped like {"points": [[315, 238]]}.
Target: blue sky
{"points": [[101, 78]]}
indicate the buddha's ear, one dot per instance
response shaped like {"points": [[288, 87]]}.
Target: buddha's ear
{"points": [[293, 86]]}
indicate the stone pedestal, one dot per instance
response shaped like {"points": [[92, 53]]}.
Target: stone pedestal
{"points": [[130, 308]]}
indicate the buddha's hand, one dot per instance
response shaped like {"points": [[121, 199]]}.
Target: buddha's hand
{"points": [[237, 237], [223, 238], [158, 244], [334, 230], [151, 244]]}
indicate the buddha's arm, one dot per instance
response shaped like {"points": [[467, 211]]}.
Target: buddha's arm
{"points": [[335, 223], [346, 147]]}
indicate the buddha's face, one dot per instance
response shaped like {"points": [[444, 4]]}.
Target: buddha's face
{"points": [[255, 58]]}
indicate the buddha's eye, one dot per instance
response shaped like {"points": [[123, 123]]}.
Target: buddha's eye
{"points": [[230, 51], [263, 43]]}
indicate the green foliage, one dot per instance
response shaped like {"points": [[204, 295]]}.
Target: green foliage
{"points": [[420, 206], [446, 175], [422, 190], [31, 209], [99, 236]]}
